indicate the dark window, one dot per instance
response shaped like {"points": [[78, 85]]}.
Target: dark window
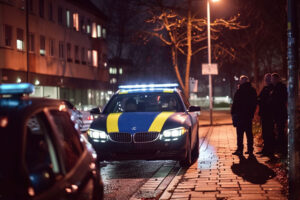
{"points": [[70, 137], [23, 4], [60, 15], [50, 10], [51, 47], [8, 35], [69, 58], [31, 42], [76, 54], [42, 45], [68, 18], [42, 7], [30, 6], [61, 50], [41, 157], [82, 24]]}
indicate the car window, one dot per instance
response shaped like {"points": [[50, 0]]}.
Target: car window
{"points": [[69, 137], [41, 158], [144, 102]]}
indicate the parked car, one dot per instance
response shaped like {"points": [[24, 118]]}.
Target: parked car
{"points": [[148, 122], [87, 119], [42, 155], [76, 115]]}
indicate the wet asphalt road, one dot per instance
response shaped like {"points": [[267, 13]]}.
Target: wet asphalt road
{"points": [[122, 179]]}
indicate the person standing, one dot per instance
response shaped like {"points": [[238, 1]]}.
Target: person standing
{"points": [[279, 97], [243, 109], [265, 113]]}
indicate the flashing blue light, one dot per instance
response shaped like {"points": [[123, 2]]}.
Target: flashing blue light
{"points": [[149, 86], [16, 88]]}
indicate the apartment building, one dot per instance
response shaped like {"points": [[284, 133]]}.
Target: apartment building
{"points": [[58, 45]]}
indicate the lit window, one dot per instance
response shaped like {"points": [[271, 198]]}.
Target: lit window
{"points": [[88, 27], [98, 31], [76, 21], [51, 47], [82, 24], [20, 40], [42, 45], [95, 58], [68, 18], [120, 71], [104, 32], [94, 30], [113, 70], [113, 81]]}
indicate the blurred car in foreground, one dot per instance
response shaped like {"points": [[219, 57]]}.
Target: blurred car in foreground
{"points": [[148, 122], [42, 155]]}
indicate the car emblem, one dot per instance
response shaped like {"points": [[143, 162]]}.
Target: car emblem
{"points": [[133, 128]]}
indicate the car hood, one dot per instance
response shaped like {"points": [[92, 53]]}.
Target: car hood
{"points": [[133, 122]]}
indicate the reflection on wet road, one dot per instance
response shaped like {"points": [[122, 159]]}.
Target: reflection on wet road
{"points": [[122, 179]]}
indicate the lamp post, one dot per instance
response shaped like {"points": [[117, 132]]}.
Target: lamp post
{"points": [[209, 61]]}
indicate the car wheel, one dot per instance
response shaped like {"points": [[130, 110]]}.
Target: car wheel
{"points": [[188, 159], [195, 152]]}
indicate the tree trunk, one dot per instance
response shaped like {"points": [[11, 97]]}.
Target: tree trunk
{"points": [[175, 65], [189, 53], [255, 69]]}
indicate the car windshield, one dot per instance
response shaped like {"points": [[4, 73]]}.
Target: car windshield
{"points": [[144, 102]]}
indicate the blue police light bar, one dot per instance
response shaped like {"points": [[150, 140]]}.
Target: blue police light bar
{"points": [[16, 88], [148, 86]]}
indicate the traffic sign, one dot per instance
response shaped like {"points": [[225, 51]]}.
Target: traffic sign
{"points": [[212, 69]]}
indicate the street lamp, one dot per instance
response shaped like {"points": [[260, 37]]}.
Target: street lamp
{"points": [[209, 60]]}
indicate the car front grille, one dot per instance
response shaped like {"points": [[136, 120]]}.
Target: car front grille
{"points": [[145, 137], [120, 137]]}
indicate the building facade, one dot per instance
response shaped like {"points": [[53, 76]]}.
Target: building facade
{"points": [[58, 45]]}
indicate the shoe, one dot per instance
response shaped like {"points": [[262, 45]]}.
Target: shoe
{"points": [[237, 152]]}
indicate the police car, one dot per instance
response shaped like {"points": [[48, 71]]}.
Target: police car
{"points": [[148, 122], [42, 155]]}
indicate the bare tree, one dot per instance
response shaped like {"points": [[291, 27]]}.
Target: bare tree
{"points": [[185, 32]]}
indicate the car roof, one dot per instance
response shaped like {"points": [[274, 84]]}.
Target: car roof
{"points": [[13, 105]]}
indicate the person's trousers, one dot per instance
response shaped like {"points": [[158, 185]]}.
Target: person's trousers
{"points": [[244, 126], [268, 133], [281, 135]]}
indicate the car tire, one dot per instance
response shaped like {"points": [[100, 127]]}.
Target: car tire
{"points": [[188, 159], [195, 152]]}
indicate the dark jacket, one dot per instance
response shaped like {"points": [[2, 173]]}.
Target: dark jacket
{"points": [[264, 101], [244, 102], [279, 97]]}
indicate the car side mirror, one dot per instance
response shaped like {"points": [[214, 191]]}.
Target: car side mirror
{"points": [[95, 111], [194, 109]]}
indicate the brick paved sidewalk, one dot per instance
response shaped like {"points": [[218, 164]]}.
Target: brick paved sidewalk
{"points": [[220, 175]]}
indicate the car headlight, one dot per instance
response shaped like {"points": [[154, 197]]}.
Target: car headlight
{"points": [[173, 133], [97, 134]]}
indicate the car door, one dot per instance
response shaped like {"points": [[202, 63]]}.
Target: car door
{"points": [[81, 180], [41, 160]]}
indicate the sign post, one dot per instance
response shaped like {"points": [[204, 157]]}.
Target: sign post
{"points": [[210, 69]]}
